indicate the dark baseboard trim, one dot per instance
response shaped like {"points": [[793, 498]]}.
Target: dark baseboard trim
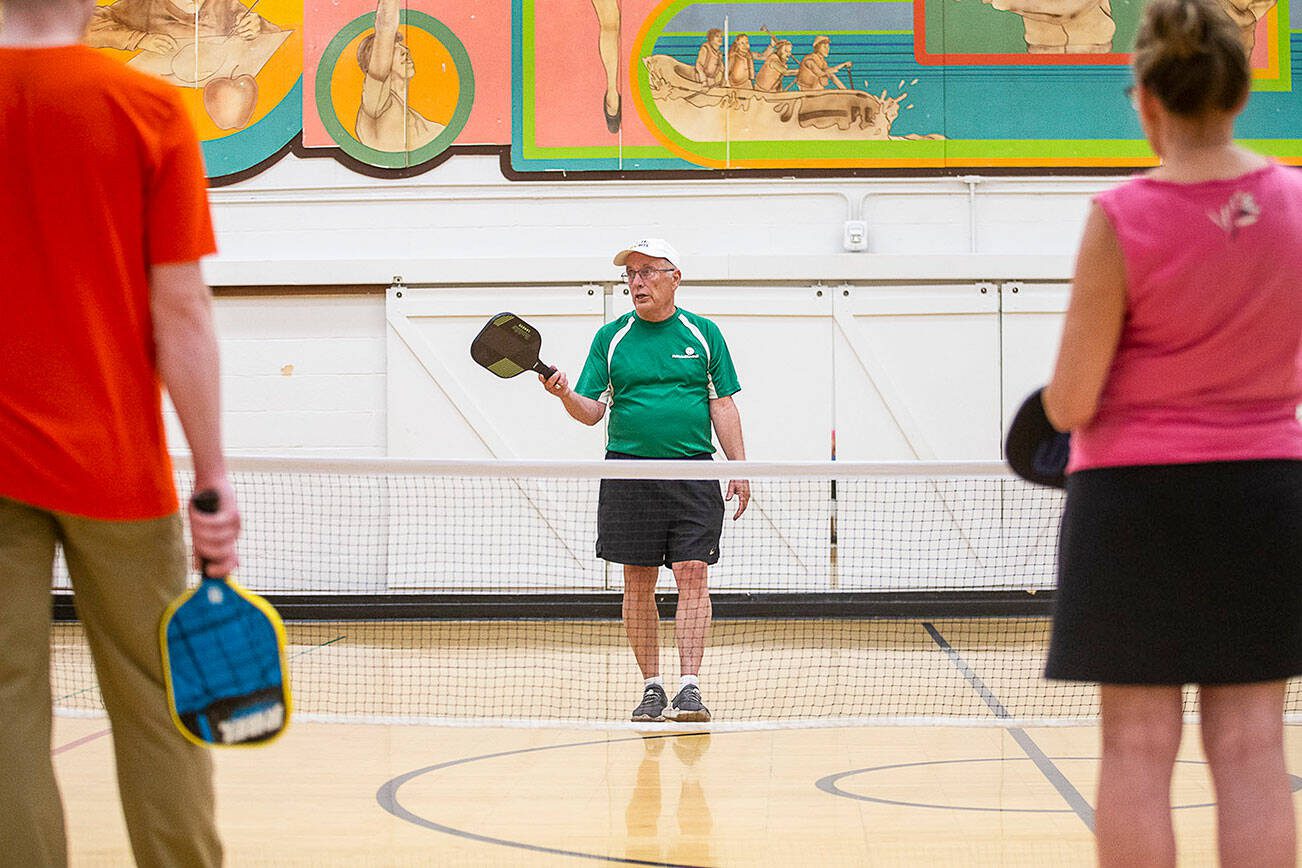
{"points": [[606, 605]]}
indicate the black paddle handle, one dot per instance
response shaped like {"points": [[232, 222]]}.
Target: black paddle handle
{"points": [[206, 501], [544, 369]]}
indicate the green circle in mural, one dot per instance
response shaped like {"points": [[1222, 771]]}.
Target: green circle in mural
{"points": [[394, 159]]}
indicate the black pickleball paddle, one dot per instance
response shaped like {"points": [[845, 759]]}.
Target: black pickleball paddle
{"points": [[507, 346], [1035, 450]]}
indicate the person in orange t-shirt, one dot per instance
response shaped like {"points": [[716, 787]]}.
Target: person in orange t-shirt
{"points": [[103, 218]]}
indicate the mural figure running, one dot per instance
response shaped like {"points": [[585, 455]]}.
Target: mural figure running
{"points": [[608, 49], [385, 121]]}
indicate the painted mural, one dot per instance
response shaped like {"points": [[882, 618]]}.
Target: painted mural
{"points": [[238, 65], [604, 88]]}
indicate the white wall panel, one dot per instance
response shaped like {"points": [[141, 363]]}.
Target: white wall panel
{"points": [[1032, 326], [302, 374], [441, 404], [315, 209], [1041, 222], [917, 372]]}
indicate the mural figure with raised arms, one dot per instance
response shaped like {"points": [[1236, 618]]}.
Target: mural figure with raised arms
{"points": [[385, 121]]}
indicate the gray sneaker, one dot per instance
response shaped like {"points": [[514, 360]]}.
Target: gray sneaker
{"points": [[688, 707], [653, 704]]}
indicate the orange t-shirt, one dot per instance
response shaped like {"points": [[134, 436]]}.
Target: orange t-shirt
{"points": [[100, 178]]}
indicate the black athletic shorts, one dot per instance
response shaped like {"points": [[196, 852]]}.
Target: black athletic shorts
{"points": [[1182, 573], [654, 522]]}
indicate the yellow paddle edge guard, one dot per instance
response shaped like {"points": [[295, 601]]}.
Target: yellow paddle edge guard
{"points": [[277, 625]]}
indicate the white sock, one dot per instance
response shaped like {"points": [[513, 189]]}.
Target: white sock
{"points": [[657, 680], [689, 679]]}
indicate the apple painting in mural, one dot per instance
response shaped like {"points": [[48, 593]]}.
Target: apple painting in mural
{"points": [[229, 100]]}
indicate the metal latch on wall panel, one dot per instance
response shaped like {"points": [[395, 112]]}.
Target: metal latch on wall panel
{"points": [[598, 289], [396, 286], [1012, 286], [986, 288]]}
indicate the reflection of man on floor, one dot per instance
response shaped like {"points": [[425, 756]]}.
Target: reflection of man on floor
{"points": [[646, 842], [156, 25], [1063, 26], [385, 121], [814, 72]]}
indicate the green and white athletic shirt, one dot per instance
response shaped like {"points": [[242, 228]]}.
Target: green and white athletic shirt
{"points": [[660, 377]]}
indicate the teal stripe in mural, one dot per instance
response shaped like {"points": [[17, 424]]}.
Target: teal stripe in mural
{"points": [[250, 146], [1010, 102]]}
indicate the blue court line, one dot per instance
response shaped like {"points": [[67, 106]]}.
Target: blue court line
{"points": [[1051, 772]]}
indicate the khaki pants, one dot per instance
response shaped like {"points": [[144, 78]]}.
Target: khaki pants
{"points": [[124, 574]]}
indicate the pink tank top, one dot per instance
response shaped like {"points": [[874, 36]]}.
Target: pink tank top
{"points": [[1209, 367]]}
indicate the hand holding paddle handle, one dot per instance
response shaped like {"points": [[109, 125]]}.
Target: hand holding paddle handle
{"points": [[543, 369], [207, 502], [224, 666]]}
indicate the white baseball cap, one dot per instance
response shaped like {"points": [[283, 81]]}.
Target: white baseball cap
{"points": [[657, 248]]}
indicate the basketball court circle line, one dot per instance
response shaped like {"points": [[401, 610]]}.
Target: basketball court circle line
{"points": [[388, 794], [387, 797], [1072, 796], [831, 784]]}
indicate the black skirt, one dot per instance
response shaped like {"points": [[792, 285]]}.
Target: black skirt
{"points": [[1178, 574]]}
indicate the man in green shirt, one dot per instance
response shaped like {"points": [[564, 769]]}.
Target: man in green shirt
{"points": [[667, 377]]}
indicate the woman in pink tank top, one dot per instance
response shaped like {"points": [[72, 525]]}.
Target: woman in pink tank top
{"points": [[1180, 377]]}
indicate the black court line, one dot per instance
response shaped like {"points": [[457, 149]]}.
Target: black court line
{"points": [[387, 796], [1047, 767]]}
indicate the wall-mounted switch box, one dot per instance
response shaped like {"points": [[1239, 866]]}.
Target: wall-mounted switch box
{"points": [[856, 235]]}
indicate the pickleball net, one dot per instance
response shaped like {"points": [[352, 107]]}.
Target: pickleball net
{"points": [[450, 592]]}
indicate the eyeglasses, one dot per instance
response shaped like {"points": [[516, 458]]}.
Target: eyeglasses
{"points": [[645, 273]]}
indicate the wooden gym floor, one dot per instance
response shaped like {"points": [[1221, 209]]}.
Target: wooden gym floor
{"points": [[552, 792]]}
